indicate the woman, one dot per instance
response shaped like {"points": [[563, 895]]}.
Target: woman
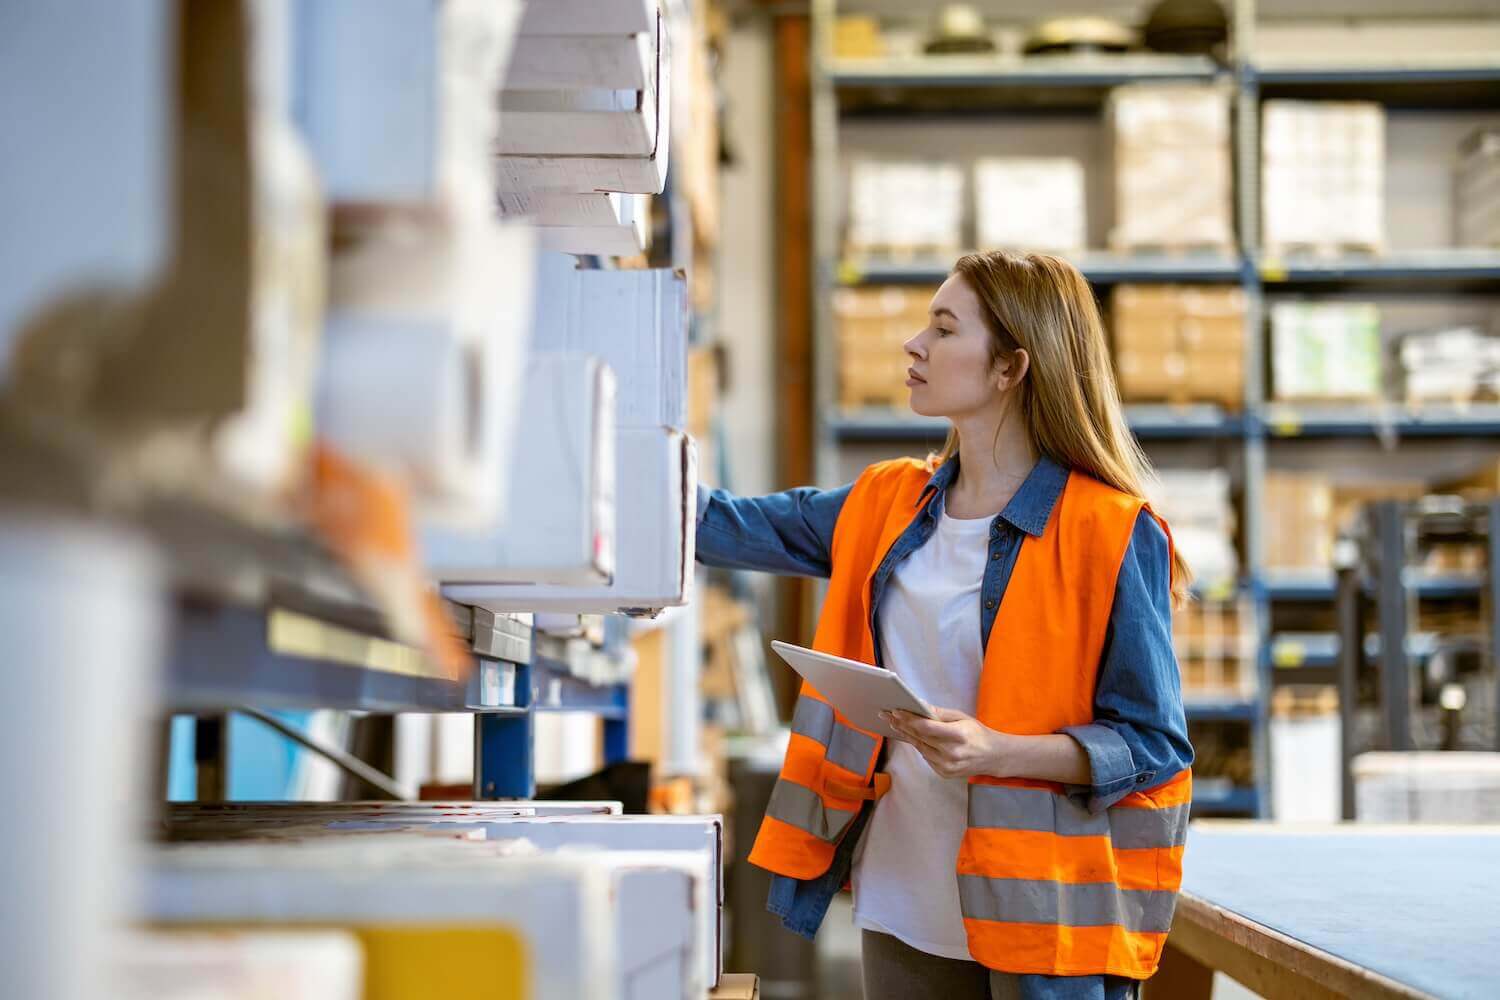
{"points": [[1028, 841]]}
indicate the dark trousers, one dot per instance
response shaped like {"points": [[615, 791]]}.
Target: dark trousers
{"points": [[893, 970]]}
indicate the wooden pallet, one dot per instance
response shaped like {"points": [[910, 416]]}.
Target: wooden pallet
{"points": [[1322, 251]]}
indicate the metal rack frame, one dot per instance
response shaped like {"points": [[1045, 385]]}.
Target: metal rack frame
{"points": [[1076, 83]]}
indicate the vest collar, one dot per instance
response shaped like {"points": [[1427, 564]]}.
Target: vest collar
{"points": [[1032, 504]]}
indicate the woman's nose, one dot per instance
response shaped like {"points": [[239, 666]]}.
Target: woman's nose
{"points": [[914, 348]]}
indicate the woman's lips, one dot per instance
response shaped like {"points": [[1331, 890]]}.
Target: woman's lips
{"points": [[912, 378]]}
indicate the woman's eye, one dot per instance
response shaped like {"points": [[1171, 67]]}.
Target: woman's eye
{"points": [[943, 333]]}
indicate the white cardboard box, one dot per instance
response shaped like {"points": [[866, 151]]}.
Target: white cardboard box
{"points": [[237, 965], [656, 505], [559, 523], [588, 17], [397, 100], [1030, 202], [594, 923], [555, 62], [594, 122], [634, 321], [578, 167], [594, 222]]}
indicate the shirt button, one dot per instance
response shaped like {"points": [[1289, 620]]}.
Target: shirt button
{"points": [[994, 555], [989, 605]]}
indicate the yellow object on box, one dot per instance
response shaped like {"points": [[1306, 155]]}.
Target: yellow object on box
{"points": [[456, 963]]}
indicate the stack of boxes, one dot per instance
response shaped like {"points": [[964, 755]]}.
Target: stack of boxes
{"points": [[1030, 203], [1323, 175], [1172, 167], [1299, 523], [1477, 189], [1180, 344], [584, 125], [1325, 351], [873, 324], [905, 209], [1197, 505]]}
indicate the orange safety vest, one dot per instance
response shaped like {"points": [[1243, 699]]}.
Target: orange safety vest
{"points": [[1045, 886]]}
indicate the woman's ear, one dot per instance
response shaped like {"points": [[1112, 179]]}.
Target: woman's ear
{"points": [[1011, 369]]}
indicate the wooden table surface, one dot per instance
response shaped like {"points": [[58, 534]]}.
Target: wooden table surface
{"points": [[1360, 910]]}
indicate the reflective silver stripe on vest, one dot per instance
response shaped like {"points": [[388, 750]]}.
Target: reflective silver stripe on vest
{"points": [[800, 806], [1089, 904], [848, 748], [1000, 807]]}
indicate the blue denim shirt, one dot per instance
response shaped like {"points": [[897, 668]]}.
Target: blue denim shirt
{"points": [[1139, 734]]}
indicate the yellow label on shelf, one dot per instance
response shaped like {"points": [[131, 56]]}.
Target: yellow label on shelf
{"points": [[850, 273], [1272, 269], [1288, 654], [1284, 423]]}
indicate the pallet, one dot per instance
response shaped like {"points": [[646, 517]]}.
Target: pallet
{"points": [[1175, 250], [1331, 250]]}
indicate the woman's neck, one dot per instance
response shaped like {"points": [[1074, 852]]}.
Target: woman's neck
{"points": [[995, 455]]}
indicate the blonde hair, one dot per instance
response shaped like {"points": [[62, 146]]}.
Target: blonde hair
{"points": [[1069, 401]]}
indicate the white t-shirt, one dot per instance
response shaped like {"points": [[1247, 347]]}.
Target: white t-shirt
{"points": [[904, 869]]}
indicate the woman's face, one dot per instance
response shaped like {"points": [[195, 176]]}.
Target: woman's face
{"points": [[950, 371]]}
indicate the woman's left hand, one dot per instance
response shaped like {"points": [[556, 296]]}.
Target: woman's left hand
{"points": [[955, 745]]}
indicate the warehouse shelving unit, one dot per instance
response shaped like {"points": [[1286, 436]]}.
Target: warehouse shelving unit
{"points": [[889, 90]]}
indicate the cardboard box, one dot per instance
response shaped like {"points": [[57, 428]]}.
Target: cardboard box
{"points": [[1171, 166], [1030, 203], [398, 102], [1477, 189], [589, 17], [237, 965], [1299, 520], [594, 122], [656, 504], [558, 62], [624, 232], [549, 827], [559, 522], [1325, 350], [1322, 174], [575, 924], [634, 321], [908, 206]]}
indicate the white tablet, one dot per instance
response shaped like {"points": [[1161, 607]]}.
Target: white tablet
{"points": [[856, 689]]}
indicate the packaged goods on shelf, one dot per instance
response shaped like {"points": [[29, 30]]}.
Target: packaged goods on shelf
{"points": [[237, 965], [1477, 194], [634, 321], [1457, 365], [1222, 758], [1215, 646], [1172, 167], [1322, 175], [1427, 787], [873, 324], [905, 208], [1180, 344], [423, 353], [1482, 483], [656, 507], [1299, 519], [565, 500], [1196, 505], [1325, 350], [1030, 203], [597, 222], [594, 122], [445, 914], [398, 102]]}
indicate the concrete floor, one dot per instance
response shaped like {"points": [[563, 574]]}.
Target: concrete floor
{"points": [[838, 960]]}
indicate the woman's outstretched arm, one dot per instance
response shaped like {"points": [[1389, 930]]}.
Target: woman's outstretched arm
{"points": [[788, 533]]}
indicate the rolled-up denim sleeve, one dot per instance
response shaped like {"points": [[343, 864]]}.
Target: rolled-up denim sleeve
{"points": [[789, 533], [1139, 734]]}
